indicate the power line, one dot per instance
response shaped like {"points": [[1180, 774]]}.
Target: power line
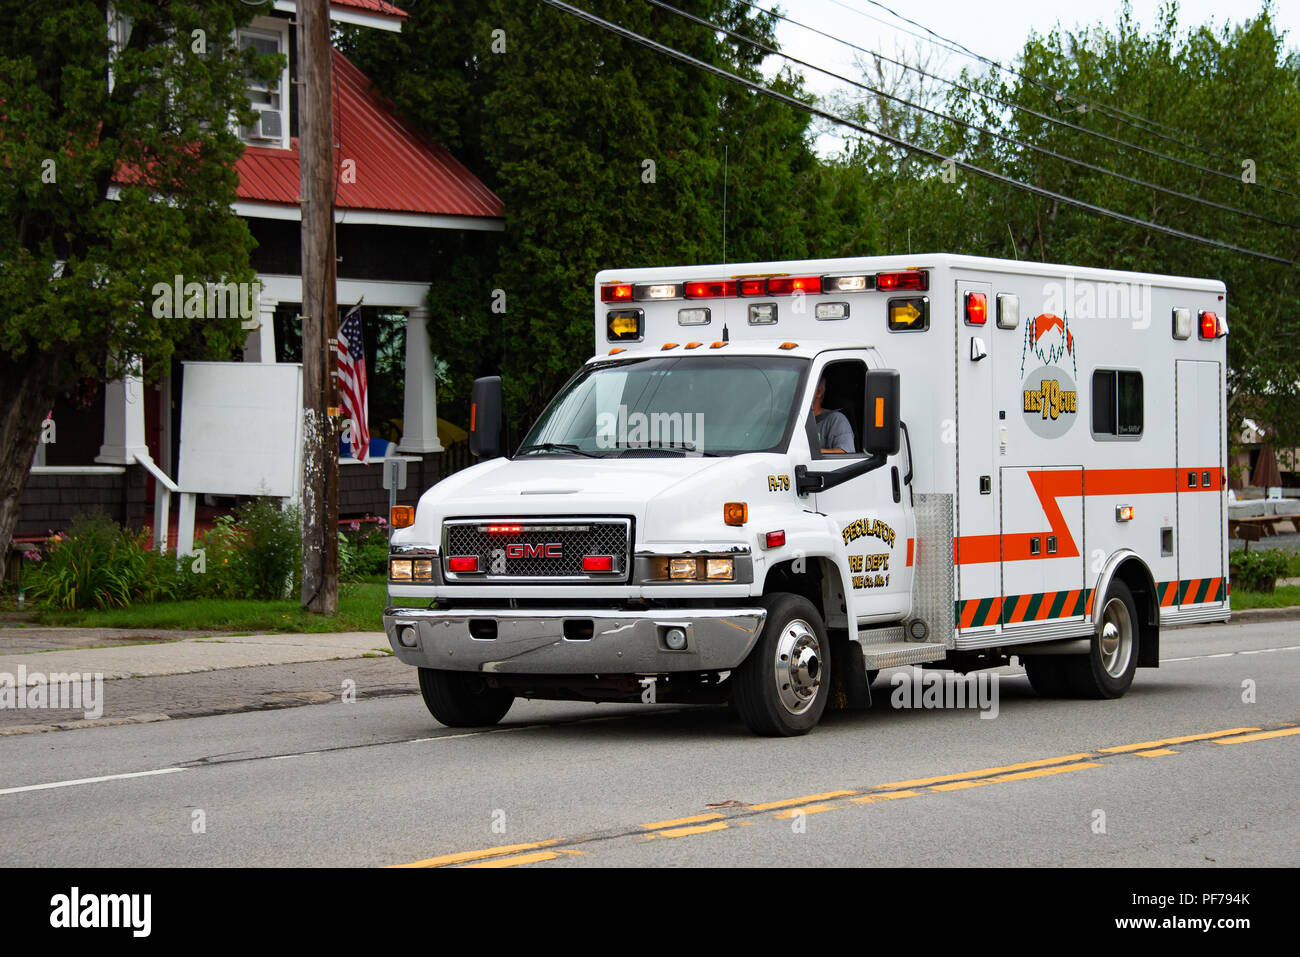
{"points": [[1056, 120], [973, 126], [896, 141], [1114, 112]]}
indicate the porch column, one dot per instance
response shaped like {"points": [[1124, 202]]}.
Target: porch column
{"points": [[260, 344], [420, 416], [123, 422]]}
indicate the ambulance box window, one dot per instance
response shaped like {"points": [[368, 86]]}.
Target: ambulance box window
{"points": [[1117, 403]]}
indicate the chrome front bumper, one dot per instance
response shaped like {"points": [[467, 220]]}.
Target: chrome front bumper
{"points": [[532, 642]]}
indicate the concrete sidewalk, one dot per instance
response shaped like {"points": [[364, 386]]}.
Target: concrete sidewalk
{"points": [[189, 655], [151, 677]]}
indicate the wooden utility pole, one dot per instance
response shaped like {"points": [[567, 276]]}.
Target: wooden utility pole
{"points": [[320, 494]]}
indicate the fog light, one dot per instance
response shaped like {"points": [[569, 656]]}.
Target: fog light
{"points": [[406, 636], [675, 639]]}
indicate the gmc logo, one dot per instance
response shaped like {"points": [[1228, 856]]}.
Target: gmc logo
{"points": [[538, 550]]}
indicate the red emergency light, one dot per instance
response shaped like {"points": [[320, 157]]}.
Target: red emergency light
{"points": [[462, 563], [789, 285], [917, 279], [616, 292], [1210, 327], [977, 308], [712, 289], [598, 563]]}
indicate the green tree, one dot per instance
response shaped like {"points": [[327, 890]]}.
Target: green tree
{"points": [[605, 154], [109, 189]]}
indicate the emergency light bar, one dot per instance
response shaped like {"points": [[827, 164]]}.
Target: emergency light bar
{"points": [[911, 279]]}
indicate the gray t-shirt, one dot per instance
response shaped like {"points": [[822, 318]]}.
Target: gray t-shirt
{"points": [[834, 431]]}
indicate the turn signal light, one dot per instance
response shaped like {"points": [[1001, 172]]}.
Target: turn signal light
{"points": [[735, 513], [402, 516]]}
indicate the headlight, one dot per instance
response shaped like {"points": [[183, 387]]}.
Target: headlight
{"points": [[399, 570], [719, 569], [690, 568]]}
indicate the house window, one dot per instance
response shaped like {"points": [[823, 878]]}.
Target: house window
{"points": [[271, 125]]}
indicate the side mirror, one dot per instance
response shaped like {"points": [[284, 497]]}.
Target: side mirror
{"points": [[485, 418], [880, 432]]}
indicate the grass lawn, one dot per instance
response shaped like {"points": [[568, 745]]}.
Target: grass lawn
{"points": [[1284, 596], [361, 608]]}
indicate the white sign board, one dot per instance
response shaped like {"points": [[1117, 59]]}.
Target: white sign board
{"points": [[241, 428]]}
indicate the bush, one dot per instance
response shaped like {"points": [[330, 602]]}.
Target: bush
{"points": [[363, 551], [1259, 570], [269, 560], [100, 565], [253, 554]]}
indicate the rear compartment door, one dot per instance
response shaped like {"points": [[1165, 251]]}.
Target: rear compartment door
{"points": [[1200, 488]]}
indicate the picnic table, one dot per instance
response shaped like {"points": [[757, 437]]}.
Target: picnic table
{"points": [[1254, 528]]}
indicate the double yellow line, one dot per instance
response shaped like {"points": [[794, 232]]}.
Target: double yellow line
{"points": [[513, 855]]}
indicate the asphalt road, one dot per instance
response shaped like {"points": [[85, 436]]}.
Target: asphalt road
{"points": [[378, 782]]}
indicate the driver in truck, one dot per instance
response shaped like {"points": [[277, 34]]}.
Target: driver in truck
{"points": [[833, 429]]}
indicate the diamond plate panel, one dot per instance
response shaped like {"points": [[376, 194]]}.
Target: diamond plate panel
{"points": [[895, 654], [932, 579]]}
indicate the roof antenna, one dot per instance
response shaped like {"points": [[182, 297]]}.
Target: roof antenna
{"points": [[724, 204], [725, 336], [909, 240], [1013, 242]]}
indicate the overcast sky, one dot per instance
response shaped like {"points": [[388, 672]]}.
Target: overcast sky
{"points": [[995, 30]]}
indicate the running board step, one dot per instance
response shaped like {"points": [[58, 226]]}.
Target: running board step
{"points": [[895, 654]]}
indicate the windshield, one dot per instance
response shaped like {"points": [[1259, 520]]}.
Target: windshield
{"points": [[683, 405]]}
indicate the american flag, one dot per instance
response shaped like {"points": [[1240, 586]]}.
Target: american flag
{"points": [[352, 382]]}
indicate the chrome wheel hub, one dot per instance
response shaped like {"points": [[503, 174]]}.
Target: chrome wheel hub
{"points": [[1116, 639], [799, 671]]}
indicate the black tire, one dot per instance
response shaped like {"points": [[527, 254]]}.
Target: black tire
{"points": [[1107, 670], [462, 699], [793, 632], [1047, 675]]}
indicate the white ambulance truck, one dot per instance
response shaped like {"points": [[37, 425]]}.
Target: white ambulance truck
{"points": [[774, 479]]}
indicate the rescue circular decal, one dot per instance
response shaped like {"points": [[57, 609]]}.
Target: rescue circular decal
{"points": [[1051, 397]]}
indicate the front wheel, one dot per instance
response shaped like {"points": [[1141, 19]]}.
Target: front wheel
{"points": [[781, 689], [462, 699]]}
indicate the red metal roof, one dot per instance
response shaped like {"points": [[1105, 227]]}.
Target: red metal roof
{"points": [[397, 169], [379, 7]]}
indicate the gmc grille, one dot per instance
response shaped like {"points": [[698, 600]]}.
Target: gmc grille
{"points": [[550, 549]]}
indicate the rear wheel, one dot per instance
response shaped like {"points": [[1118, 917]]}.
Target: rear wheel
{"points": [[1108, 668], [462, 699], [781, 689], [1047, 675]]}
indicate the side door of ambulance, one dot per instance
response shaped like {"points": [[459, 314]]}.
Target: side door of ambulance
{"points": [[872, 513]]}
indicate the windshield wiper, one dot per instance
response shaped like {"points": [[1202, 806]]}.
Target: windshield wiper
{"points": [[683, 447], [557, 447]]}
